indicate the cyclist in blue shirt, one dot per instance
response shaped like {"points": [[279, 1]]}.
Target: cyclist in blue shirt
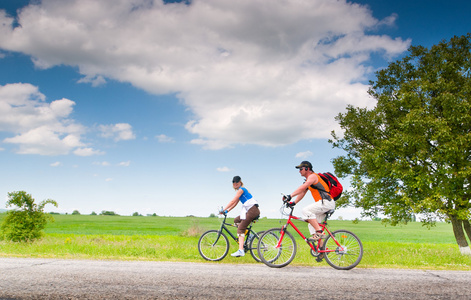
{"points": [[249, 212]]}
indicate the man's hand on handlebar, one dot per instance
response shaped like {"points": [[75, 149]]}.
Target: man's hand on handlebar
{"points": [[223, 212], [288, 202]]}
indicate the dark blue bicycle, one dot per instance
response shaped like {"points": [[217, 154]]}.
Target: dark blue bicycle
{"points": [[213, 245]]}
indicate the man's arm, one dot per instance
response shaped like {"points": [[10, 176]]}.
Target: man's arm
{"points": [[301, 191]]}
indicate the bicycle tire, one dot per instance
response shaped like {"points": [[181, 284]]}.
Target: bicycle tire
{"points": [[347, 257], [213, 245], [276, 257], [253, 246]]}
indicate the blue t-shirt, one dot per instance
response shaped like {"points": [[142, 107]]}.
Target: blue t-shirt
{"points": [[245, 195]]}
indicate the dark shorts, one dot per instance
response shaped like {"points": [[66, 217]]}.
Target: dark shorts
{"points": [[251, 215]]}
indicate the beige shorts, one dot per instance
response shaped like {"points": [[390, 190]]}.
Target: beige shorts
{"points": [[317, 211]]}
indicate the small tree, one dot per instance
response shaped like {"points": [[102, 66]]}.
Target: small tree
{"points": [[108, 213], [76, 212], [27, 222]]}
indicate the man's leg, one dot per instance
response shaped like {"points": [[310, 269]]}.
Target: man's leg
{"points": [[321, 209], [309, 213], [314, 224]]}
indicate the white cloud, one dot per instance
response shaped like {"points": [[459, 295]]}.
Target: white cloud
{"points": [[305, 154], [124, 163], [56, 164], [95, 81], [212, 144], [118, 132], [43, 128], [223, 169], [38, 127], [87, 152], [108, 164], [250, 71], [162, 138]]}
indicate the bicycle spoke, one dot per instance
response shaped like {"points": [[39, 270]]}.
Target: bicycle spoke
{"points": [[213, 245], [348, 254], [253, 244], [273, 256]]}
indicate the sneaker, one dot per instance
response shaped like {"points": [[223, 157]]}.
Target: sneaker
{"points": [[316, 236], [238, 253]]}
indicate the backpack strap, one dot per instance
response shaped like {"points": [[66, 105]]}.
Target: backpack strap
{"points": [[320, 189]]}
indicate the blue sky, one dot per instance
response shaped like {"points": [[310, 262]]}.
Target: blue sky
{"points": [[149, 107]]}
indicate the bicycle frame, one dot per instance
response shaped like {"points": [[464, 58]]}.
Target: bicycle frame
{"points": [[234, 237], [323, 227], [341, 249]]}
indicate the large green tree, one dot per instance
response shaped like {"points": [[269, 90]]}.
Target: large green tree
{"points": [[411, 153]]}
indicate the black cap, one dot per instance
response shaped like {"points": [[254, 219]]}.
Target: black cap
{"points": [[236, 179], [304, 164]]}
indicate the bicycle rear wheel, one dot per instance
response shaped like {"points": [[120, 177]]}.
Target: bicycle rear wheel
{"points": [[253, 244], [213, 245], [346, 256], [271, 255]]}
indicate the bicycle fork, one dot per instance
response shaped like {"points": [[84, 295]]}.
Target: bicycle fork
{"points": [[217, 239], [282, 234]]}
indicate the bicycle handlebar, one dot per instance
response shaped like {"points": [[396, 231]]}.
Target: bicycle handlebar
{"points": [[285, 199], [222, 212]]}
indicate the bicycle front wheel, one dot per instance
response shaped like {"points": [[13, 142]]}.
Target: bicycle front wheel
{"points": [[273, 256], [213, 245], [347, 253]]}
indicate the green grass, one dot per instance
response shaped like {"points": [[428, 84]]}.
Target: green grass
{"points": [[123, 225], [175, 239]]}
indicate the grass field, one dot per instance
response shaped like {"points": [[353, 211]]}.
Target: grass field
{"points": [[175, 239]]}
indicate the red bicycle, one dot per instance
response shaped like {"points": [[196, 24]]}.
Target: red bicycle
{"points": [[341, 249]]}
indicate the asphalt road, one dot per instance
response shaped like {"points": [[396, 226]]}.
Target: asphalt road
{"points": [[28, 278]]}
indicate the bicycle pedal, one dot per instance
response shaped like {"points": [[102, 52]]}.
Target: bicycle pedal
{"points": [[320, 257]]}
